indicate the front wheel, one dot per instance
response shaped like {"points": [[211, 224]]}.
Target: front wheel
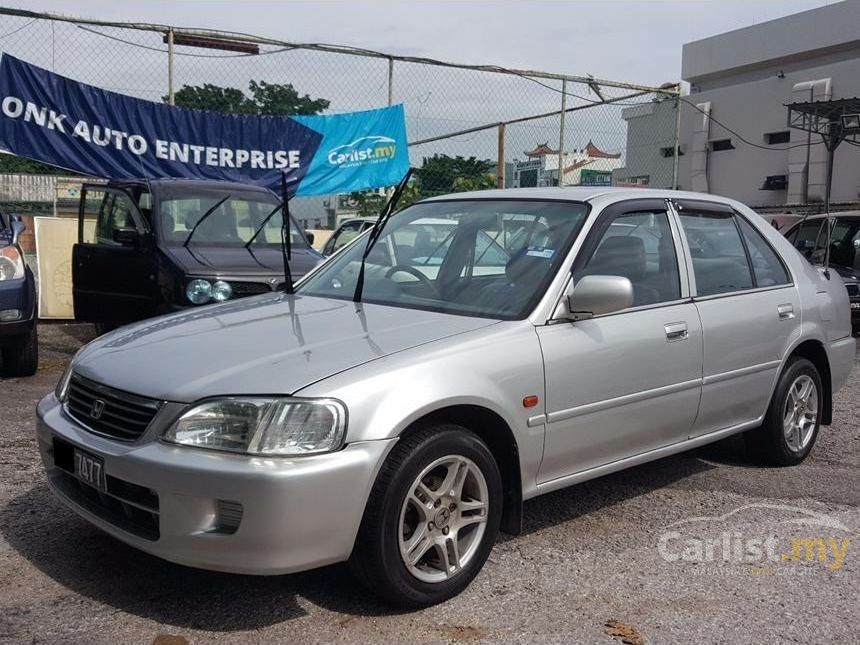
{"points": [[432, 517], [793, 418]]}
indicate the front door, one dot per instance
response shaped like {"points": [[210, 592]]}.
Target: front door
{"points": [[625, 383], [749, 308], [113, 263]]}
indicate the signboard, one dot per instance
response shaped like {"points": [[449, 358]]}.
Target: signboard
{"points": [[53, 119], [589, 177], [54, 239]]}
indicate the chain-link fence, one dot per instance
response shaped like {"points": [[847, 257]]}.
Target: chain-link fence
{"points": [[469, 127]]}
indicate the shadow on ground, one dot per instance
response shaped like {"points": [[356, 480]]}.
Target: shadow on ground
{"points": [[91, 563]]}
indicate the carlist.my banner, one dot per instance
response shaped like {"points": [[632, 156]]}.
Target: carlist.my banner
{"points": [[53, 119]]}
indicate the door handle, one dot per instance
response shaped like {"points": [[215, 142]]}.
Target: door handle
{"points": [[676, 331], [786, 311]]}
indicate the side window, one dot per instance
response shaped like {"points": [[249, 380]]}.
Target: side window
{"points": [[115, 213], [639, 246], [804, 236], [768, 270], [719, 260], [347, 234]]}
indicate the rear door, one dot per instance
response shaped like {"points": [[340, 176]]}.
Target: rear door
{"points": [[114, 279], [749, 309]]}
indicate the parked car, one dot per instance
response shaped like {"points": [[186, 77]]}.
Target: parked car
{"points": [[810, 238], [346, 233], [402, 432], [19, 343], [164, 245]]}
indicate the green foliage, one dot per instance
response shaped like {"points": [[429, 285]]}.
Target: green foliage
{"points": [[265, 98], [20, 165], [446, 174], [368, 203]]}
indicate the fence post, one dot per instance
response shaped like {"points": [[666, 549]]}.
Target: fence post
{"points": [[561, 132], [170, 99], [500, 167], [677, 147], [390, 81]]}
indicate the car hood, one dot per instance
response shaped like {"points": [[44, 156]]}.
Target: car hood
{"points": [[272, 344], [849, 274], [236, 261]]}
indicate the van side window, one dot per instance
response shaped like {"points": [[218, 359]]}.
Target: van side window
{"points": [[115, 213], [719, 261], [639, 246], [804, 236], [767, 267]]}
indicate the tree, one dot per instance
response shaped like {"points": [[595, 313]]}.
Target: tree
{"points": [[12, 164], [446, 174], [265, 98]]}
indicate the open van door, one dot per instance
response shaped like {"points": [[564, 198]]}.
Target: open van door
{"points": [[113, 263]]}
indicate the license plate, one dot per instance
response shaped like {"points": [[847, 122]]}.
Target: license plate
{"points": [[90, 470]]}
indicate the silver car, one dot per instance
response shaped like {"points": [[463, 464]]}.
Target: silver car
{"points": [[504, 344]]}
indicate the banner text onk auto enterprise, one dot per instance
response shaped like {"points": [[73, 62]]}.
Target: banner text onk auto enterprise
{"points": [[14, 108]]}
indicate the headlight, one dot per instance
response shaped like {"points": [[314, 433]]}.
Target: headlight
{"points": [[62, 389], [11, 263], [221, 291], [263, 426], [199, 292]]}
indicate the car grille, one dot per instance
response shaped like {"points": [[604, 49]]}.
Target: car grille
{"points": [[242, 289], [853, 290], [127, 506], [121, 415]]}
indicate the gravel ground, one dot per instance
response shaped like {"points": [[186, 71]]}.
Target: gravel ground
{"points": [[588, 568]]}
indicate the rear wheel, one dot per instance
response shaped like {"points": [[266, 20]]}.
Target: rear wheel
{"points": [[432, 518], [22, 357], [793, 418]]}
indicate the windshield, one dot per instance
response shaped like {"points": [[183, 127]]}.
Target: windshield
{"points": [[232, 223], [810, 238], [482, 258]]}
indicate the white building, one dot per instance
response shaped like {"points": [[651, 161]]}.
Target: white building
{"points": [[744, 79]]}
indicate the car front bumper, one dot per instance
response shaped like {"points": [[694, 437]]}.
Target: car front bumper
{"points": [[18, 295], [296, 513]]}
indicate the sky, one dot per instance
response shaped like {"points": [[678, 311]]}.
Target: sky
{"points": [[637, 41]]}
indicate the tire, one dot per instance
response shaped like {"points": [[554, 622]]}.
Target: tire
{"points": [[392, 523], [22, 358], [103, 328], [788, 433]]}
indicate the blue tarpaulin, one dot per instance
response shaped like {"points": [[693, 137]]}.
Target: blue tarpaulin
{"points": [[53, 119]]}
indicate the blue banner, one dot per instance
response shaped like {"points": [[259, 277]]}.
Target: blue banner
{"points": [[53, 119]]}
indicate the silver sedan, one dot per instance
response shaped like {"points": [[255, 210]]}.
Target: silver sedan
{"points": [[498, 345]]}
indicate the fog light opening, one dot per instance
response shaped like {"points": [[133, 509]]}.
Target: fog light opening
{"points": [[228, 517], [8, 315]]}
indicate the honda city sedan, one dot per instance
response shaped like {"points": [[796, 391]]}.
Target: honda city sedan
{"points": [[399, 407]]}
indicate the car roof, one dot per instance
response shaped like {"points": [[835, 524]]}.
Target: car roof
{"points": [[580, 194], [191, 183], [837, 215]]}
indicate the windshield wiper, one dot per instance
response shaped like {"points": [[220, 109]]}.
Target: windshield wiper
{"points": [[286, 242], [265, 221], [202, 219], [376, 231]]}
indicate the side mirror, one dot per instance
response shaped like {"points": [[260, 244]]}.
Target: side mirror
{"points": [[310, 237], [126, 236], [594, 295], [17, 228]]}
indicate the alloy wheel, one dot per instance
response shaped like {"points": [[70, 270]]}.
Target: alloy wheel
{"points": [[443, 518]]}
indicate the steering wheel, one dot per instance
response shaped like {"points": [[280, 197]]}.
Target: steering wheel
{"points": [[405, 268]]}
